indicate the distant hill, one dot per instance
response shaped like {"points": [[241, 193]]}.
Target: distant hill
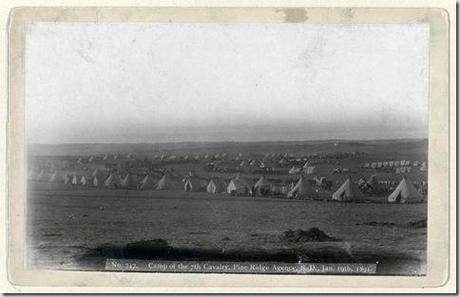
{"points": [[412, 146]]}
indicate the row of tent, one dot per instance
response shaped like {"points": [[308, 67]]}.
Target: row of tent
{"points": [[405, 191], [163, 157], [237, 185], [392, 164], [105, 157], [304, 170]]}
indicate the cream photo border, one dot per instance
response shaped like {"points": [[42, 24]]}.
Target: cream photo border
{"points": [[440, 15]]}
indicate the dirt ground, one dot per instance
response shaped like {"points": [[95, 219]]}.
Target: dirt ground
{"points": [[64, 225]]}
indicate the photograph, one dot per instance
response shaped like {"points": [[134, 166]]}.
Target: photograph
{"points": [[280, 148]]}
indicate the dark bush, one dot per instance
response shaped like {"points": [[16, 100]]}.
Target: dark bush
{"points": [[311, 235]]}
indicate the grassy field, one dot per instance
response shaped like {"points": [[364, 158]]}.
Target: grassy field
{"points": [[66, 224], [75, 227]]}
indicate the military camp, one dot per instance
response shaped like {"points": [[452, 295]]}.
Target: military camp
{"points": [[237, 194]]}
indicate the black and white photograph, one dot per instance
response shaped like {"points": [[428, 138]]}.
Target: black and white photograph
{"points": [[262, 148]]}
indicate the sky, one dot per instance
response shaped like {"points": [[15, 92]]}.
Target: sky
{"points": [[152, 82]]}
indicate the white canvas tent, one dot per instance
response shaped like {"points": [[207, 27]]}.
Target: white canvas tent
{"points": [[348, 191], [238, 185], [405, 192], [85, 181], [56, 177], [113, 181], [423, 167], [168, 182], [262, 186], [282, 161], [216, 185], [148, 183], [195, 184], [302, 189], [129, 182], [76, 179], [98, 178], [32, 175], [43, 176]]}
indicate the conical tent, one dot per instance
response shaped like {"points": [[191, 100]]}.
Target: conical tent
{"points": [[302, 189], [129, 182], [42, 176], [85, 180], [216, 185], [405, 192], [148, 183], [262, 186], [56, 178], [98, 178], [95, 172], [76, 179], [238, 185], [348, 191], [113, 181], [32, 175], [167, 182], [195, 184]]}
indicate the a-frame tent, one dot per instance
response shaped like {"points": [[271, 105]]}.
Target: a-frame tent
{"points": [[216, 185], [262, 186], [239, 185], [56, 177], [98, 178], [113, 181], [302, 189], [405, 192], [43, 176], [195, 184], [148, 183], [167, 182], [129, 182], [348, 191]]}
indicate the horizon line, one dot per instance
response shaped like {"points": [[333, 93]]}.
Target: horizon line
{"points": [[236, 141]]}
